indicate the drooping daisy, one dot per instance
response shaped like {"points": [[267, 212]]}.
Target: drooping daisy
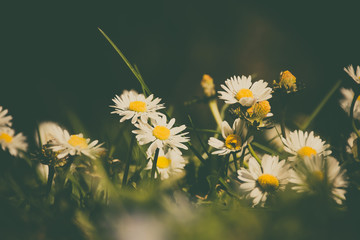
{"points": [[47, 132], [317, 174], [304, 144], [235, 138], [350, 142], [65, 144], [134, 106], [354, 75], [260, 181], [5, 121], [345, 103], [242, 90], [161, 134], [14, 143], [168, 163]]}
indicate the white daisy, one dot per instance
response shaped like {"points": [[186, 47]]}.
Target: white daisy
{"points": [[14, 143], [5, 121], [133, 105], [311, 174], [66, 144], [260, 181], [161, 135], [354, 75], [168, 163], [47, 131], [304, 144], [345, 103], [242, 90], [235, 138]]}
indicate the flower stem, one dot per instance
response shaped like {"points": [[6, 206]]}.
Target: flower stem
{"points": [[352, 114], [215, 112], [234, 159], [127, 166], [253, 153], [154, 164], [50, 179]]}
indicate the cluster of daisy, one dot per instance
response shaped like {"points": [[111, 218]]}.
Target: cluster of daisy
{"points": [[15, 144], [309, 164], [57, 145], [153, 128]]}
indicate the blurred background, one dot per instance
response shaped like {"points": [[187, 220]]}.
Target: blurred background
{"points": [[56, 63]]}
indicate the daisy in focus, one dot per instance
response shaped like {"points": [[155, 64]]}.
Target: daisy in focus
{"points": [[169, 163], [345, 103], [161, 134], [134, 106], [242, 90], [14, 143], [311, 174], [65, 144], [5, 121], [261, 181], [354, 75], [235, 138], [303, 144]]}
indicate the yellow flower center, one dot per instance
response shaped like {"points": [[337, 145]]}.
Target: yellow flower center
{"points": [[244, 93], [306, 151], [6, 137], [268, 182], [358, 98], [163, 162], [77, 141], [233, 142], [137, 106], [161, 132], [318, 175], [260, 109]]}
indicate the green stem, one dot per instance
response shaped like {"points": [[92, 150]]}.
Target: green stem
{"points": [[283, 115], [321, 105], [198, 137], [352, 114], [234, 160], [127, 166], [253, 153], [228, 189], [197, 154], [50, 179], [153, 169], [265, 148]]}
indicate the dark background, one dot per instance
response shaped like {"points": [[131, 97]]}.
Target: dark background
{"points": [[54, 60]]}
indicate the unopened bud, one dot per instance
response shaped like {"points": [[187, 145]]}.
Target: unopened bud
{"points": [[207, 84]]}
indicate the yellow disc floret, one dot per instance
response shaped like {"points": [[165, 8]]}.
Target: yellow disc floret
{"points": [[244, 93], [6, 137], [137, 106], [77, 141], [259, 110], [161, 132], [318, 175], [306, 151], [233, 142], [163, 162], [268, 182]]}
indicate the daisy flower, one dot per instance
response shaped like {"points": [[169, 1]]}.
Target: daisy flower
{"points": [[304, 144], [235, 138], [134, 106], [5, 120], [65, 144], [161, 135], [354, 75], [14, 143], [261, 181], [345, 103], [311, 174], [242, 90], [168, 163]]}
